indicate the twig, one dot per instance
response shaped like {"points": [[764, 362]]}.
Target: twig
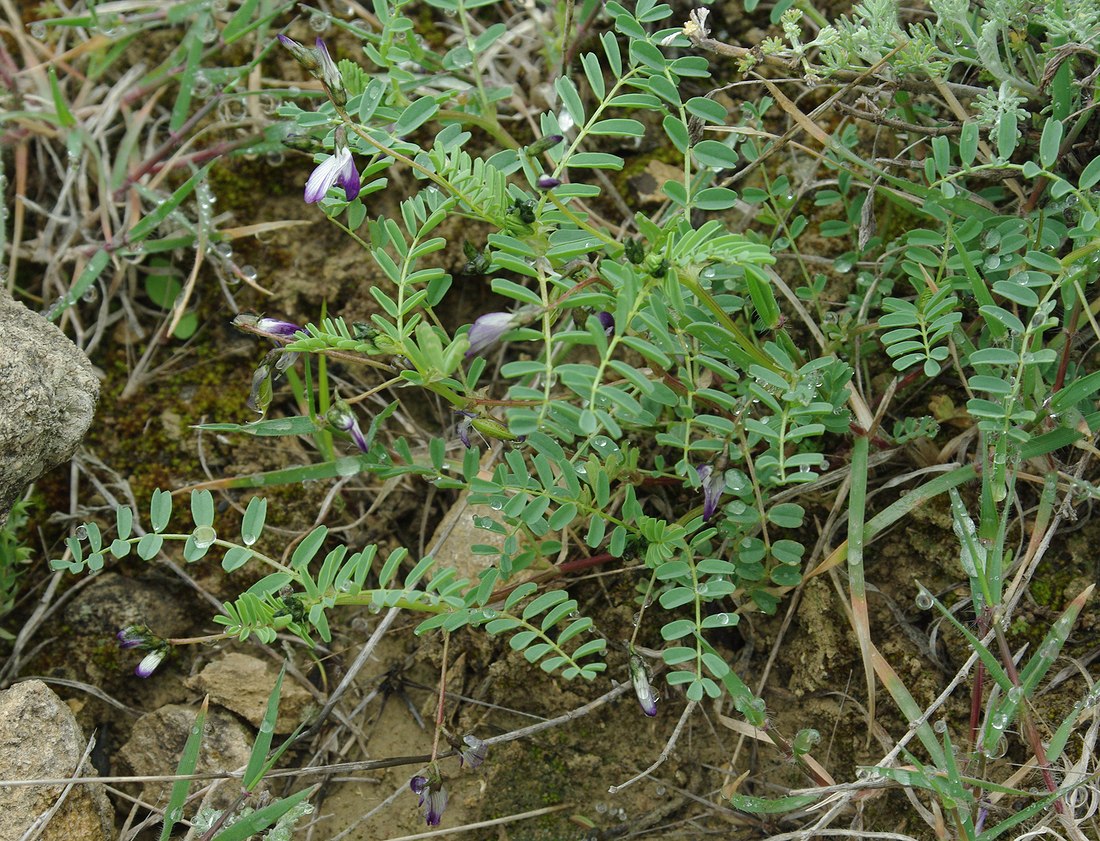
{"points": [[669, 746], [901, 125], [521, 816]]}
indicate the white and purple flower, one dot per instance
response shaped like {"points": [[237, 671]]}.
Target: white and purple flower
{"points": [[337, 168], [714, 482], [487, 330], [149, 663], [343, 418], [474, 753], [275, 327], [132, 636], [433, 797]]}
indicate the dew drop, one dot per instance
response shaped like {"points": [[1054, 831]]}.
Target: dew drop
{"points": [[998, 750], [90, 296], [348, 466], [223, 250], [249, 273], [318, 22], [924, 600], [81, 533], [940, 726], [993, 262], [38, 31], [204, 537]]}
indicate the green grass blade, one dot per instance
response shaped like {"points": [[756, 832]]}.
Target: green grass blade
{"points": [[188, 761], [254, 771], [150, 223], [857, 502]]}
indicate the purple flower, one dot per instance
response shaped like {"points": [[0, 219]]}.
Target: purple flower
{"points": [[474, 753], [343, 418], [329, 74], [713, 485], [337, 168], [276, 327], [463, 428], [132, 636], [546, 182], [607, 320], [149, 663], [487, 329], [640, 678], [433, 797]]}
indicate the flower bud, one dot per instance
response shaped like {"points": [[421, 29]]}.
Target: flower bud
{"points": [[544, 144]]}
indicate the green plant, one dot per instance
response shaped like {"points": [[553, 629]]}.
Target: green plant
{"points": [[658, 402], [14, 558]]}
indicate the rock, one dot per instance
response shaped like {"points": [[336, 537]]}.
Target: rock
{"points": [[48, 394], [243, 684], [157, 742], [40, 739], [647, 185]]}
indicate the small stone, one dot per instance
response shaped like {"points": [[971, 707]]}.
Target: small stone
{"points": [[157, 742], [242, 684], [47, 401], [40, 739]]}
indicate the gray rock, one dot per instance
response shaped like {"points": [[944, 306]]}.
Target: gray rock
{"points": [[40, 740], [243, 684], [157, 742], [48, 394]]}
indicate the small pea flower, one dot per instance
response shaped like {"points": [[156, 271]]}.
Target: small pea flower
{"points": [[433, 797], [463, 428], [713, 485], [640, 678], [487, 330], [275, 327], [133, 636], [474, 753], [337, 168], [546, 182], [607, 320], [149, 663], [343, 418]]}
